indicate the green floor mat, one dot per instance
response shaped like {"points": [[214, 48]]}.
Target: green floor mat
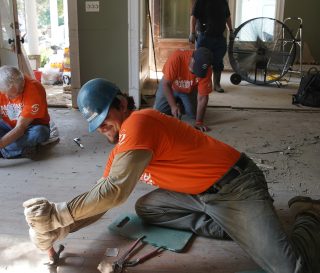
{"points": [[131, 226]]}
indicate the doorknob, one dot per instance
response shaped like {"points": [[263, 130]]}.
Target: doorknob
{"points": [[10, 41], [22, 40]]}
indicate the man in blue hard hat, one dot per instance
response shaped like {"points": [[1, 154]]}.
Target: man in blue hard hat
{"points": [[204, 185]]}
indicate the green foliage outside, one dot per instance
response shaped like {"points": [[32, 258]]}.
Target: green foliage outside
{"points": [[43, 14], [43, 11], [44, 56]]}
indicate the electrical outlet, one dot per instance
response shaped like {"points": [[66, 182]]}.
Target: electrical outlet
{"points": [[92, 6]]}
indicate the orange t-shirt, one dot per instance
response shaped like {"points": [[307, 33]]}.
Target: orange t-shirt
{"points": [[31, 103], [176, 70], [184, 159]]}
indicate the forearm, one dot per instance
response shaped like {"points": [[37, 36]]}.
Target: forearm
{"points": [[167, 91], [113, 190], [192, 24], [11, 136], [104, 196], [229, 23], [201, 108], [52, 221]]}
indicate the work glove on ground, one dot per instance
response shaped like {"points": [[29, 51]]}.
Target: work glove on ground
{"points": [[44, 216], [192, 37], [44, 241]]}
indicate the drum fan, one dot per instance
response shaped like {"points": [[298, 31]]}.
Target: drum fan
{"points": [[262, 51]]}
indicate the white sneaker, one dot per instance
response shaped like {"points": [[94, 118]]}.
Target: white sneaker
{"points": [[54, 135], [50, 140]]}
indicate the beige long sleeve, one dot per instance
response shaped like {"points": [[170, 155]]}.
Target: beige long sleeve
{"points": [[113, 190], [53, 221]]}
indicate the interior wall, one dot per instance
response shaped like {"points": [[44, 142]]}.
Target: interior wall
{"points": [[309, 12], [103, 42]]}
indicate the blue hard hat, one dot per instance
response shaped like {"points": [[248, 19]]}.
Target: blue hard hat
{"points": [[94, 100]]}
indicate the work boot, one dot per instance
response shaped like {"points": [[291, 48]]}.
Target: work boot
{"points": [[216, 82], [303, 204]]}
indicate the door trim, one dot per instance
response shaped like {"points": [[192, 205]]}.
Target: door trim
{"points": [[133, 51]]}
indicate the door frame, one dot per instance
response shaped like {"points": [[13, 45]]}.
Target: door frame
{"points": [[133, 50], [74, 51], [10, 56]]}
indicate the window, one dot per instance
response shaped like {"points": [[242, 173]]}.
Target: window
{"points": [[248, 9], [175, 18]]}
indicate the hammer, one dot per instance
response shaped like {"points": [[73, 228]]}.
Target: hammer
{"points": [[54, 260], [77, 140]]}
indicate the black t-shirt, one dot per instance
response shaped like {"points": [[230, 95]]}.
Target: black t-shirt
{"points": [[212, 16]]}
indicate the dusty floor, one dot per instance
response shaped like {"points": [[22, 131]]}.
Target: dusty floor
{"points": [[285, 143], [58, 96]]}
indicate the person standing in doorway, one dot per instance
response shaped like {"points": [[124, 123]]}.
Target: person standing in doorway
{"points": [[211, 18]]}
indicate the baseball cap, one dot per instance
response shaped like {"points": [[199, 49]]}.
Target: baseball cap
{"points": [[202, 61]]}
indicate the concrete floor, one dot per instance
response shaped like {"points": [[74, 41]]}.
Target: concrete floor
{"points": [[57, 96], [285, 143], [247, 95]]}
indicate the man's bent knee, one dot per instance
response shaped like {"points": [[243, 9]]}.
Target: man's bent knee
{"points": [[41, 133], [140, 207]]}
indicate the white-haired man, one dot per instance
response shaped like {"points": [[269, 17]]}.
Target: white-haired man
{"points": [[24, 121]]}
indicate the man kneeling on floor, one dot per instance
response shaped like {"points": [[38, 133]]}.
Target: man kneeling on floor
{"points": [[24, 118], [186, 85], [205, 186]]}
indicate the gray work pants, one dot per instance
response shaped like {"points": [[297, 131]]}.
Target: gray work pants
{"points": [[244, 210]]}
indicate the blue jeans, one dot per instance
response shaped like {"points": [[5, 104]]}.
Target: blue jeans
{"points": [[218, 47], [242, 209], [189, 102], [34, 135]]}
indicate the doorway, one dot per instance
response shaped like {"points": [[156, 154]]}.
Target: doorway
{"points": [[35, 37], [47, 46]]}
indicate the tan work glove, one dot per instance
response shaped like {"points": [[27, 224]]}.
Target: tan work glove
{"points": [[44, 216], [44, 241]]}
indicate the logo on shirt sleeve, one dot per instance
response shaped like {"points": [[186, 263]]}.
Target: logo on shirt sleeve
{"points": [[146, 178], [122, 138], [35, 108]]}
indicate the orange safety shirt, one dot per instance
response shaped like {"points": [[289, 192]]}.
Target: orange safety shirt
{"points": [[31, 103], [176, 70], [183, 158]]}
